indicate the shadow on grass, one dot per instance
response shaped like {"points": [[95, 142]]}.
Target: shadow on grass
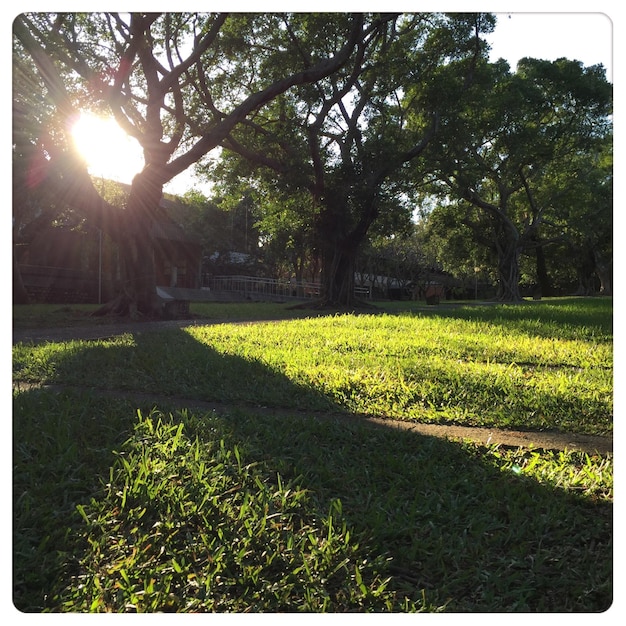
{"points": [[448, 520]]}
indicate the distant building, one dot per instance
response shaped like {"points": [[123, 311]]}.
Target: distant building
{"points": [[178, 256], [69, 265]]}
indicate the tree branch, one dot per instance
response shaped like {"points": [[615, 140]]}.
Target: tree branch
{"points": [[253, 102]]}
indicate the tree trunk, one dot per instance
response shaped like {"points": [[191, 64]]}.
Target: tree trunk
{"points": [[339, 245], [585, 268], [20, 295], [604, 271], [338, 277], [138, 295], [508, 272], [140, 276], [507, 241], [543, 279]]}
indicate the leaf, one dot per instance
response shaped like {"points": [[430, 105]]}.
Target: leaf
{"points": [[81, 509], [177, 568]]}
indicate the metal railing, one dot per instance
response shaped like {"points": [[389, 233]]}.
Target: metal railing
{"points": [[58, 284], [255, 286]]}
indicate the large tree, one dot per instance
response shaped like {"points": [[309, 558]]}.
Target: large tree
{"points": [[348, 139], [575, 237], [509, 133], [179, 83]]}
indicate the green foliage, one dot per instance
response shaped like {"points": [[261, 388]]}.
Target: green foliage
{"points": [[347, 142], [505, 152], [451, 242]]}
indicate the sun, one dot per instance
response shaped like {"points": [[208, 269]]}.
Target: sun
{"points": [[108, 151]]}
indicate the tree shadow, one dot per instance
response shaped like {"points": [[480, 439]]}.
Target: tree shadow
{"points": [[450, 522]]}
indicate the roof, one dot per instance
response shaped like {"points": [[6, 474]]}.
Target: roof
{"points": [[170, 230]]}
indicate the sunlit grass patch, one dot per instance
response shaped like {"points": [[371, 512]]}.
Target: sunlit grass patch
{"points": [[427, 368], [434, 369]]}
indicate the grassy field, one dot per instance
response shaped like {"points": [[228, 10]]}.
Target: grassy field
{"points": [[129, 496], [37, 316]]}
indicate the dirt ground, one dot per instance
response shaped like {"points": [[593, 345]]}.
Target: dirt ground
{"points": [[527, 439]]}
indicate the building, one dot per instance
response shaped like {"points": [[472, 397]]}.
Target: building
{"points": [[69, 265]]}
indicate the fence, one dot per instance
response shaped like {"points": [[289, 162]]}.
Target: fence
{"points": [[49, 284], [255, 287]]}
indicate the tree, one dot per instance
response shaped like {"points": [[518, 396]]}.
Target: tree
{"points": [[499, 146], [347, 139], [465, 252], [577, 231], [30, 209], [169, 80], [38, 201]]}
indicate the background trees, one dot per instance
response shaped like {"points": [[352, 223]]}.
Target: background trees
{"points": [[497, 146], [512, 151], [347, 140], [575, 237], [329, 128]]}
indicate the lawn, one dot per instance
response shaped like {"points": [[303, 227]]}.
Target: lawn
{"points": [[211, 468]]}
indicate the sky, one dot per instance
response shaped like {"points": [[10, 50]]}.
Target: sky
{"points": [[586, 37]]}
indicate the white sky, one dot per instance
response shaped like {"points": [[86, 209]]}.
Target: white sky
{"points": [[586, 37]]}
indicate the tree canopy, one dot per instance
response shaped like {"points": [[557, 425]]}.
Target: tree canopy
{"points": [[501, 152], [347, 140], [335, 124]]}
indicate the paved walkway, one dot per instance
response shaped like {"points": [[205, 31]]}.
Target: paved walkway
{"points": [[512, 438]]}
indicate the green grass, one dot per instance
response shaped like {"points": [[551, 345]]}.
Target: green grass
{"points": [[40, 316], [273, 502], [54, 315], [502, 371]]}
